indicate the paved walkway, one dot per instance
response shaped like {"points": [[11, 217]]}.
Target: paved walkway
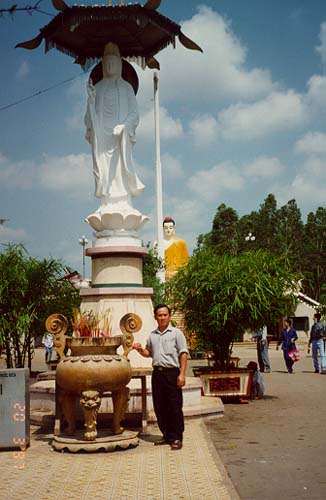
{"points": [[146, 472], [274, 448]]}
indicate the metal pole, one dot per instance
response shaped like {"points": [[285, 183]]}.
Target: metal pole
{"points": [[83, 242], [159, 196]]}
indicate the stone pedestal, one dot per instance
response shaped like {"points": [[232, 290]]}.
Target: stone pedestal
{"points": [[117, 285], [104, 442]]}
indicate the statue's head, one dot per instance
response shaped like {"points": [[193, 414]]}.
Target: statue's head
{"points": [[168, 227], [112, 64]]}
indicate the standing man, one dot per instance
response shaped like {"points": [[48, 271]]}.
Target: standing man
{"points": [[316, 339], [47, 341], [167, 347], [262, 350]]}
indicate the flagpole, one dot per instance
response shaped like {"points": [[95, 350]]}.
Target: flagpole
{"points": [[159, 195]]}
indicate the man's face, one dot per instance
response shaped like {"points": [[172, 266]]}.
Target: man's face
{"points": [[111, 65], [168, 228], [162, 317]]}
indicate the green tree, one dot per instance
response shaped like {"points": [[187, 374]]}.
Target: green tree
{"points": [[222, 296], [266, 225], [223, 238], [152, 264], [314, 258], [30, 290], [290, 233]]}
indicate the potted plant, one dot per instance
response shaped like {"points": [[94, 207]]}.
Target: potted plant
{"points": [[221, 297]]}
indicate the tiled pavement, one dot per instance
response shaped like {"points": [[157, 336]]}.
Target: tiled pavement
{"points": [[146, 472]]}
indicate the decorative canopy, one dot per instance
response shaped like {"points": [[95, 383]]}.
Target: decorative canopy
{"points": [[83, 31]]}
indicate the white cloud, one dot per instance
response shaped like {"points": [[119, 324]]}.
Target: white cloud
{"points": [[312, 143], [321, 49], [310, 183], [308, 186], [208, 184], [277, 112], [9, 235], [23, 70], [219, 72], [204, 130], [20, 174], [70, 173], [316, 95], [263, 167], [170, 128], [171, 167]]}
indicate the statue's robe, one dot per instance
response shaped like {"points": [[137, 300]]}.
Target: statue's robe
{"points": [[114, 173]]}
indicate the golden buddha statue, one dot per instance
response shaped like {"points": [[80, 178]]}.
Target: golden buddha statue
{"points": [[175, 249]]}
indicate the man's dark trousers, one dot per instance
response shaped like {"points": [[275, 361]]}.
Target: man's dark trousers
{"points": [[167, 401]]}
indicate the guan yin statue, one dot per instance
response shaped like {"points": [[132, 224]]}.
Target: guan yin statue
{"points": [[111, 121]]}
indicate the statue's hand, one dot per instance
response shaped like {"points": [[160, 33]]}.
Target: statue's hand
{"points": [[91, 90], [88, 135], [118, 129]]}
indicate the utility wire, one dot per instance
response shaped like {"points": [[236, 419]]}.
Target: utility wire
{"points": [[29, 9], [39, 92]]}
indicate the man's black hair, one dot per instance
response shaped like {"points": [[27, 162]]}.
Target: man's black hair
{"points": [[159, 306]]}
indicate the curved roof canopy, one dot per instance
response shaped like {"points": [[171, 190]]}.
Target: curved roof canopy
{"points": [[83, 31]]}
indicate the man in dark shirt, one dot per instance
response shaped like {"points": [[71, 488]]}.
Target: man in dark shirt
{"points": [[317, 342]]}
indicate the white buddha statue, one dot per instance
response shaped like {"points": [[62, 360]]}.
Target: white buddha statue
{"points": [[111, 120], [175, 249]]}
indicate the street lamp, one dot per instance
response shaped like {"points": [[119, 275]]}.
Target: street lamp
{"points": [[250, 237], [83, 241]]}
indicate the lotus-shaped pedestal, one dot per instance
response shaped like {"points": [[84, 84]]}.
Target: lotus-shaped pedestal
{"points": [[116, 218]]}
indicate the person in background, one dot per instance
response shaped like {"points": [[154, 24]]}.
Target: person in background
{"points": [[47, 341], [262, 350], [257, 385], [317, 342], [287, 339], [167, 347]]}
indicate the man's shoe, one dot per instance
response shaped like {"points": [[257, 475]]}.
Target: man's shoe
{"points": [[323, 372], [176, 445], [316, 371], [160, 442]]}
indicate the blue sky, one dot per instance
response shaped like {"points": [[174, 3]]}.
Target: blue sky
{"points": [[241, 120]]}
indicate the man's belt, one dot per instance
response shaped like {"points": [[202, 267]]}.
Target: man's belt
{"points": [[165, 369]]}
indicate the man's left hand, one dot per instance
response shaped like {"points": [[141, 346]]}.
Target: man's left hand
{"points": [[181, 381]]}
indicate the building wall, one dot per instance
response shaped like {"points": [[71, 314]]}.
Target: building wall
{"points": [[303, 310]]}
